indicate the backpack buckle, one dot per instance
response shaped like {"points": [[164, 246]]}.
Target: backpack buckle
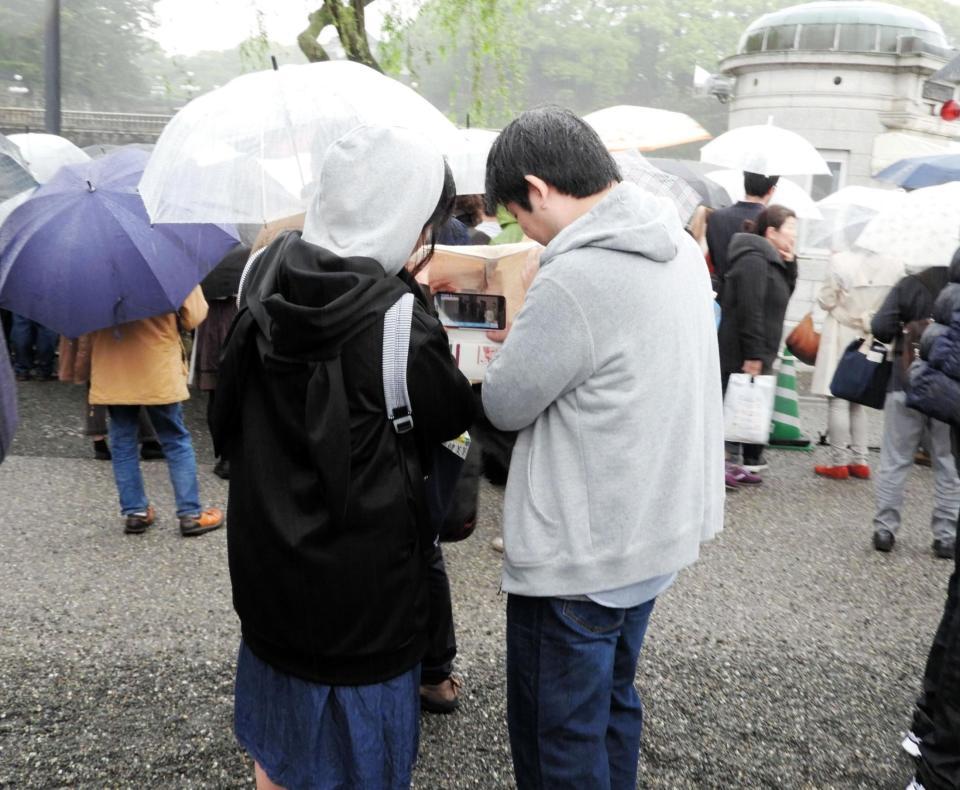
{"points": [[402, 420]]}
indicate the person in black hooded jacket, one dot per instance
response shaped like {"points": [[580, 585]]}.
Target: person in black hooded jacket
{"points": [[758, 285], [934, 736], [329, 541]]}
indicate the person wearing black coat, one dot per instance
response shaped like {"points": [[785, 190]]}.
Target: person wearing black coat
{"points": [[904, 429], [934, 736], [758, 286], [330, 537]]}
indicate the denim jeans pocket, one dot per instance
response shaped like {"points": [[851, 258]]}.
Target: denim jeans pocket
{"points": [[591, 616]]}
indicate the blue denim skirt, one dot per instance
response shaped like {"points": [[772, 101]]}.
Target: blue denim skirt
{"points": [[306, 735]]}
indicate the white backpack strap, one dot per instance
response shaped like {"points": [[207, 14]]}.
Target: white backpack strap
{"points": [[396, 344]]}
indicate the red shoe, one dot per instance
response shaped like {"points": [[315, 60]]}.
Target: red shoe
{"points": [[860, 471], [833, 472]]}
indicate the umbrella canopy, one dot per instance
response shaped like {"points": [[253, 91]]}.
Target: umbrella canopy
{"points": [[209, 164], [787, 193], [15, 176], [846, 213], [765, 149], [629, 127], [922, 230], [97, 150], [694, 174], [922, 171], [80, 253], [636, 169], [45, 154], [469, 164]]}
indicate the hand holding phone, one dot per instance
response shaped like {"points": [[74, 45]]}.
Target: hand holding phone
{"points": [[471, 310]]}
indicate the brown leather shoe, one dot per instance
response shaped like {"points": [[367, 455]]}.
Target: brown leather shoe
{"points": [[207, 521], [443, 697], [139, 522]]}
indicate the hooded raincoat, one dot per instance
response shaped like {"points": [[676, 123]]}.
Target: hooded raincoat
{"points": [[328, 544]]}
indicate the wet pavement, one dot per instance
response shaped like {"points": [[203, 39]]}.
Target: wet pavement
{"points": [[788, 657]]}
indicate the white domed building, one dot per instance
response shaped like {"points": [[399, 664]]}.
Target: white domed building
{"points": [[852, 76]]}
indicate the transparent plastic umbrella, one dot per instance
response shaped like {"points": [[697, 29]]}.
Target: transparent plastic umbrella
{"points": [[787, 193], [629, 127], [846, 213], [15, 176], [248, 152], [45, 154], [922, 230], [637, 170], [765, 149], [469, 164]]}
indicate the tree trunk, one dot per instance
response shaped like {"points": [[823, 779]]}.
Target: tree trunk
{"points": [[348, 17]]}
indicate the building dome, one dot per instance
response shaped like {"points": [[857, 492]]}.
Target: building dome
{"points": [[839, 26]]}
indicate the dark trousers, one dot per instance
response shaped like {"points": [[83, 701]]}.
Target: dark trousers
{"points": [[33, 345], [437, 664], [937, 717], [573, 712]]}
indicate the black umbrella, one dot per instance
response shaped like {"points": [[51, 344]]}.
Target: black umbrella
{"points": [[224, 281], [695, 174]]}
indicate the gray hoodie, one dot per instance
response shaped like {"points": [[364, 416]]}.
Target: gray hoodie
{"points": [[611, 374]]}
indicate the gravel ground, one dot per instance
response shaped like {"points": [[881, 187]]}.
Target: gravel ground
{"points": [[788, 657]]}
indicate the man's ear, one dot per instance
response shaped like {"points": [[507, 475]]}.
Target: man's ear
{"points": [[538, 191]]}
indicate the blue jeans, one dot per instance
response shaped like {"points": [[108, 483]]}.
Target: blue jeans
{"points": [[175, 440], [24, 336], [573, 712]]}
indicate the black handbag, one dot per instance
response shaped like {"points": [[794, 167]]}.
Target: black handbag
{"points": [[863, 373]]}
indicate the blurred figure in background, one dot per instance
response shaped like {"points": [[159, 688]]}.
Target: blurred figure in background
{"points": [[143, 363], [855, 286], [912, 299], [34, 350], [757, 287]]}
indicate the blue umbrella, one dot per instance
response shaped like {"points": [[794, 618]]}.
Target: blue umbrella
{"points": [[922, 171], [81, 254]]}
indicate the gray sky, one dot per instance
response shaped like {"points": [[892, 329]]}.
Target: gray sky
{"points": [[187, 26]]}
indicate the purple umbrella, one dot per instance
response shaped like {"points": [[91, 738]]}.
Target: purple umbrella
{"points": [[81, 254]]}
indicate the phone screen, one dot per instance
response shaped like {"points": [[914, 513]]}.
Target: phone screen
{"points": [[471, 311]]}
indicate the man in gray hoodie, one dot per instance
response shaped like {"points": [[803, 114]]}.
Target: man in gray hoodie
{"points": [[611, 375]]}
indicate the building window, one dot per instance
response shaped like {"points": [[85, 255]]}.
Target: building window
{"points": [[754, 42], [783, 37], [887, 40], [817, 37], [857, 38]]}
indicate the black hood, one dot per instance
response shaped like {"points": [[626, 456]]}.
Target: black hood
{"points": [[307, 302]]}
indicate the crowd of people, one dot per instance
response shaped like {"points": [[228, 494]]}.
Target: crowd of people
{"points": [[331, 390]]}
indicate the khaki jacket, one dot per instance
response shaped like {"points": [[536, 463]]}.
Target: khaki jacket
{"points": [[143, 363]]}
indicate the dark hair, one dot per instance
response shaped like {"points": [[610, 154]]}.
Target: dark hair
{"points": [[770, 217], [469, 209], [757, 185], [553, 144], [440, 216]]}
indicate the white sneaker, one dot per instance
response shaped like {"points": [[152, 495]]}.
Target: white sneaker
{"points": [[914, 785], [497, 544], [911, 745], [754, 468]]}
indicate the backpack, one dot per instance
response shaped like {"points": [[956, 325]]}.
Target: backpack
{"points": [[447, 461]]}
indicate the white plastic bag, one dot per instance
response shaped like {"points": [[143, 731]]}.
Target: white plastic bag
{"points": [[748, 408]]}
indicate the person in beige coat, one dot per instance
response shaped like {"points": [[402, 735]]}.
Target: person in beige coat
{"points": [[855, 286], [143, 363]]}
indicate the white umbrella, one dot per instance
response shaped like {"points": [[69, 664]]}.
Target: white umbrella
{"points": [[922, 230], [846, 213], [765, 149], [627, 127], [211, 161], [469, 164], [45, 154], [786, 194]]}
